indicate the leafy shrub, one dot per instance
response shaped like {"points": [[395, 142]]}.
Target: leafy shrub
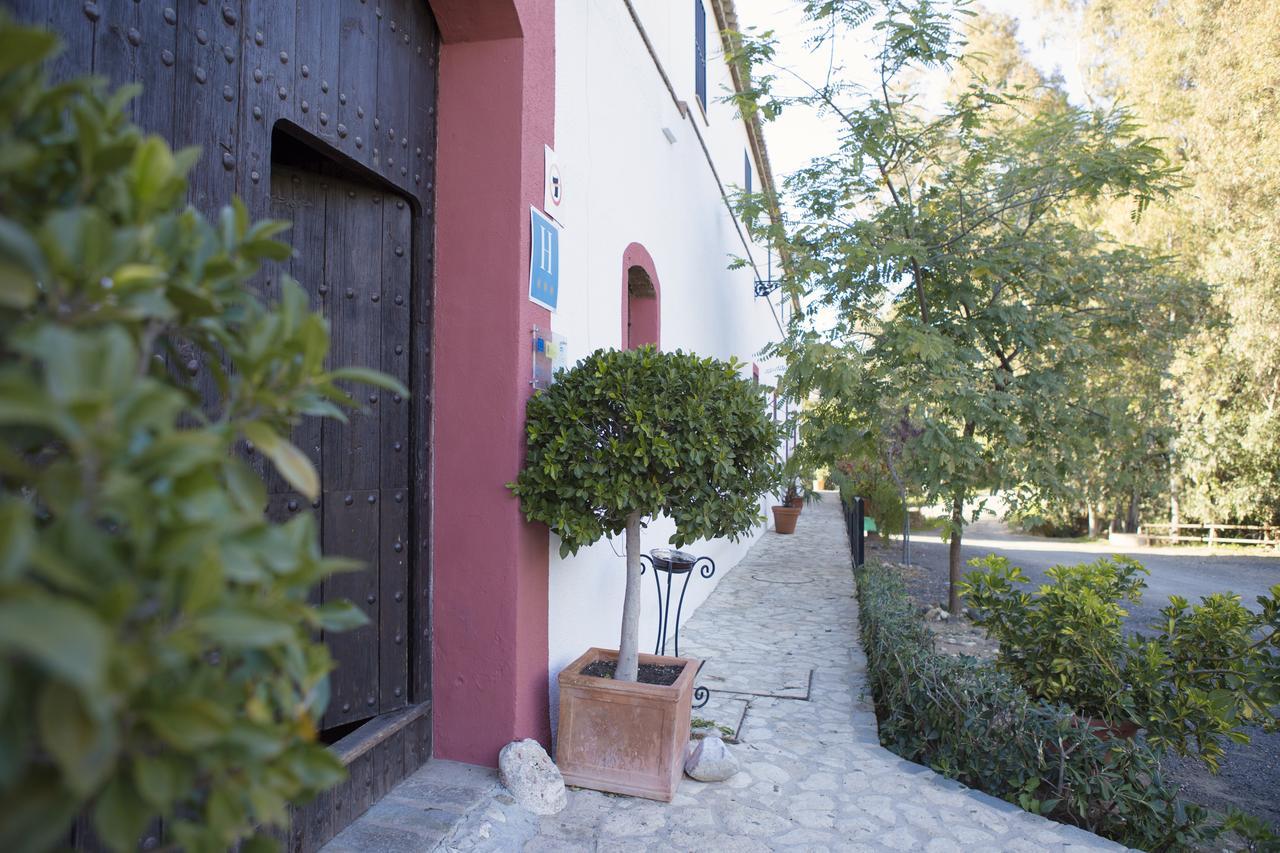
{"points": [[1065, 644], [974, 724], [869, 479], [156, 653], [652, 432], [1056, 524], [1208, 670]]}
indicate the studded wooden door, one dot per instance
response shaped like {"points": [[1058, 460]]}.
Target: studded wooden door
{"points": [[352, 84], [351, 250]]}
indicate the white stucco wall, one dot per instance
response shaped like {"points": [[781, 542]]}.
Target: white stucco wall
{"points": [[624, 182]]}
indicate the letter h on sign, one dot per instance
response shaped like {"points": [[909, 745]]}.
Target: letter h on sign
{"points": [[544, 260]]}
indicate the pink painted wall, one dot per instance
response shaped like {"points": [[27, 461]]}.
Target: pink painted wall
{"points": [[496, 111], [641, 318]]}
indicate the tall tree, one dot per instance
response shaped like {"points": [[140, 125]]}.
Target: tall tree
{"points": [[941, 266], [1205, 76]]}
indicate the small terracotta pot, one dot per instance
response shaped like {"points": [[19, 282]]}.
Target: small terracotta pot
{"points": [[1103, 730], [1123, 730], [784, 519], [623, 736], [795, 503]]}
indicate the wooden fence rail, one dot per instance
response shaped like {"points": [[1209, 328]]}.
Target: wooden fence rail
{"points": [[1254, 534]]}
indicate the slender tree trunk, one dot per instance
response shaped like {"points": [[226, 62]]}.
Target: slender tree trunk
{"points": [[1095, 521], [906, 531], [629, 643], [957, 523], [906, 510], [1131, 522]]}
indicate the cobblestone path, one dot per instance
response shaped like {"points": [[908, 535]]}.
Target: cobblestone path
{"points": [[814, 776]]}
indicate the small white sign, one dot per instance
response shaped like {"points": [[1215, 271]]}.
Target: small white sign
{"points": [[553, 190]]}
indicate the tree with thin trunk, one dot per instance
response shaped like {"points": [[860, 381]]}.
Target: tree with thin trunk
{"points": [[630, 435], [940, 254]]}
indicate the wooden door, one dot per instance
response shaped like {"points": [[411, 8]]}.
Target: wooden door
{"points": [[351, 245], [357, 82]]}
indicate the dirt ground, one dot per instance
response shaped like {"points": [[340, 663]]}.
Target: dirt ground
{"points": [[955, 636]]}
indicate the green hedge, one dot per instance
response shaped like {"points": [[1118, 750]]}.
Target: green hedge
{"points": [[973, 724]]}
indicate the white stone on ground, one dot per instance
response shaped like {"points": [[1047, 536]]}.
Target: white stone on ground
{"points": [[710, 760], [532, 777]]}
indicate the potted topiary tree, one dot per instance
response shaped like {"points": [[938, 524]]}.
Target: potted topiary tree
{"points": [[621, 437]]}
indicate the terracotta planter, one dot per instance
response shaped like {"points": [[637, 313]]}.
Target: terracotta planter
{"points": [[795, 503], [784, 519], [623, 736], [1124, 730]]}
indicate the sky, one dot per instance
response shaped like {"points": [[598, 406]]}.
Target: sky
{"points": [[796, 137]]}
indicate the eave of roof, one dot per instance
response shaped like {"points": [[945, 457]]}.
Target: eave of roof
{"points": [[727, 22]]}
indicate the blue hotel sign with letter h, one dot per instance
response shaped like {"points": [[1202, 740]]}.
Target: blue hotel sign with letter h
{"points": [[544, 260]]}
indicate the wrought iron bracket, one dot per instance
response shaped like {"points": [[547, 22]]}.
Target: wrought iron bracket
{"points": [[765, 286]]}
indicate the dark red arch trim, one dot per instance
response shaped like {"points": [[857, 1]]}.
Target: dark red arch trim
{"points": [[641, 318]]}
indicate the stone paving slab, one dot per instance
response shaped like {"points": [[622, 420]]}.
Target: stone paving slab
{"points": [[725, 709], [756, 678], [418, 813], [814, 776]]}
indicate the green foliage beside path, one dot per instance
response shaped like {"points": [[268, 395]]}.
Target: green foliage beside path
{"points": [[1202, 674], [659, 433], [972, 722], [949, 286]]}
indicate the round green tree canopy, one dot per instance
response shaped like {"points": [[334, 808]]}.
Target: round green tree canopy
{"points": [[651, 432]]}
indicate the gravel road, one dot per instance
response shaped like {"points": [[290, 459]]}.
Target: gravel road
{"points": [[1250, 775]]}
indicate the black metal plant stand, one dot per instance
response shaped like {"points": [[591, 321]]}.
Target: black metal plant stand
{"points": [[670, 562]]}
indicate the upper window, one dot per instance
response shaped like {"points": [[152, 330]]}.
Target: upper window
{"points": [[700, 53], [746, 170]]}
